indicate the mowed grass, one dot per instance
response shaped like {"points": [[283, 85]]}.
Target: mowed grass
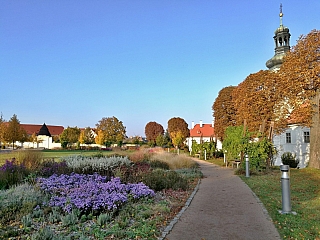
{"points": [[305, 201], [51, 154]]}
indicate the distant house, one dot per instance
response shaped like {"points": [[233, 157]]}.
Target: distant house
{"points": [[44, 135], [35, 128], [201, 133]]}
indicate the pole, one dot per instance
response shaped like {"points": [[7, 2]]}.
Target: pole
{"points": [[205, 154], [247, 166], [285, 186]]}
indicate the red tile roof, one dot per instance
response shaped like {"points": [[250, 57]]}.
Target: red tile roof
{"points": [[205, 131], [34, 128]]}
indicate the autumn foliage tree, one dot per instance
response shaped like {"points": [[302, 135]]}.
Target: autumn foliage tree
{"points": [[152, 131], [254, 100], [300, 88], [14, 131], [223, 111], [176, 125], [86, 136], [2, 130], [69, 136], [112, 130]]}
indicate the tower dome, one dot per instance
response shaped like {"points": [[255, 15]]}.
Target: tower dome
{"points": [[282, 42]]}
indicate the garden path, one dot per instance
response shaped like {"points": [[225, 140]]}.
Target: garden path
{"points": [[224, 207]]}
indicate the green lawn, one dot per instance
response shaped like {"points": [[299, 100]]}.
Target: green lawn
{"points": [[305, 201]]}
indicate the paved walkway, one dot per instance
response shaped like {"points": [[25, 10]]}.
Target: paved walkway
{"points": [[224, 207]]}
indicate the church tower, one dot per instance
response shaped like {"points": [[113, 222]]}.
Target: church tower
{"points": [[282, 43]]}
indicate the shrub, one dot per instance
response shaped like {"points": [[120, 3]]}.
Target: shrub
{"points": [[44, 233], [190, 173], [160, 179], [159, 164], [90, 165], [132, 173], [31, 159], [50, 167], [288, 158], [11, 173], [18, 201]]}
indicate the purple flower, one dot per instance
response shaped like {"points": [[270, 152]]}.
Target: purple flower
{"points": [[90, 192]]}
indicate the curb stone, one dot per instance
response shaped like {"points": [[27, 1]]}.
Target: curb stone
{"points": [[177, 217]]}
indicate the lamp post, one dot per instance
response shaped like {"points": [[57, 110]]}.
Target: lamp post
{"points": [[247, 166], [285, 187]]}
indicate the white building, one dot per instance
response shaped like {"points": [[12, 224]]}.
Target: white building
{"points": [[202, 132]]}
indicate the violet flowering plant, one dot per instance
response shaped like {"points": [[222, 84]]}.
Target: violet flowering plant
{"points": [[90, 192]]}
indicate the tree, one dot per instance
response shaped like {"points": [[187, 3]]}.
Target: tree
{"points": [[69, 136], [152, 131], [161, 140], [14, 131], [176, 125], [254, 100], [300, 86], [86, 136], [100, 138], [2, 130], [223, 112], [177, 139], [113, 130], [235, 142]]}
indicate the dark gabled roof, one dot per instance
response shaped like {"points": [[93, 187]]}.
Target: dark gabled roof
{"points": [[44, 131], [35, 128]]}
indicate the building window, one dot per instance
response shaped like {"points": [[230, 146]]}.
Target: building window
{"points": [[306, 137], [288, 137]]}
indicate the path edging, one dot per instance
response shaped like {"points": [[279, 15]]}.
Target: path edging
{"points": [[169, 227]]}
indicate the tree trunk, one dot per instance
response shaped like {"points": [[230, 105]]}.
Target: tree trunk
{"points": [[314, 156]]}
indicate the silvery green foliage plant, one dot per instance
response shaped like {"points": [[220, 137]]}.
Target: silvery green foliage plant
{"points": [[18, 200], [90, 192], [85, 164]]}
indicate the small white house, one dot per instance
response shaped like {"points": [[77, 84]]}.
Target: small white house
{"points": [[296, 139], [202, 132]]}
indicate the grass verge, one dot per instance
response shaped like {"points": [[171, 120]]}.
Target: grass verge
{"points": [[305, 201]]}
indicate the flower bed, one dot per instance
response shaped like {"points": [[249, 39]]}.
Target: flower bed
{"points": [[90, 192]]}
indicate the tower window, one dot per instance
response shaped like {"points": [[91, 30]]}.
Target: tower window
{"points": [[280, 41]]}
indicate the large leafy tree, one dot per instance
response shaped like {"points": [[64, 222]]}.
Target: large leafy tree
{"points": [[86, 136], [176, 125], [300, 88], [152, 131], [223, 111], [69, 136], [254, 100], [14, 131], [112, 129]]}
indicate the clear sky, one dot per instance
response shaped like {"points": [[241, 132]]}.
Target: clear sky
{"points": [[73, 62]]}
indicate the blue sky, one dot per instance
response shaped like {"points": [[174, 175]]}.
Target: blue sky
{"points": [[74, 62]]}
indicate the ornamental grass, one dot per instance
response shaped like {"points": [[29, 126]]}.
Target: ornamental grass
{"points": [[174, 161]]}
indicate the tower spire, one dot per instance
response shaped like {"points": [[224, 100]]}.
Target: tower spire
{"points": [[281, 14], [282, 42]]}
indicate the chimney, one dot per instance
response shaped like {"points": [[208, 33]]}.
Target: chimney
{"points": [[201, 123], [192, 125]]}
